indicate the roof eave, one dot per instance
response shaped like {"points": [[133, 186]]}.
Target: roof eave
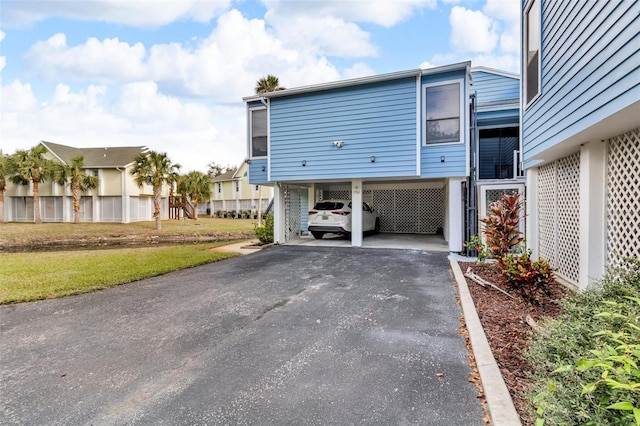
{"points": [[361, 80]]}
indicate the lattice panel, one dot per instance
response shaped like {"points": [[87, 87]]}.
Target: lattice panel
{"points": [[559, 215], [547, 212], [493, 195], [337, 195], [415, 211], [419, 211], [291, 213], [568, 207], [623, 197]]}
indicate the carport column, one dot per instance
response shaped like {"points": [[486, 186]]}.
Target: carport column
{"points": [[455, 211], [356, 212], [593, 219], [278, 214]]}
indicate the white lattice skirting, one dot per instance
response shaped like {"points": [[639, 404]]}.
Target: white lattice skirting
{"points": [[623, 197]]}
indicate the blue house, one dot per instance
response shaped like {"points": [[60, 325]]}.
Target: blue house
{"points": [[403, 142], [581, 133]]}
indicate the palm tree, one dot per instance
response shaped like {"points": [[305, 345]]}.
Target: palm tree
{"points": [[197, 186], [74, 176], [4, 172], [270, 83], [155, 169], [31, 166]]}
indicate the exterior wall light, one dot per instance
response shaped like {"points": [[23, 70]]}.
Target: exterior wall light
{"points": [[263, 169], [338, 144], [442, 159], [304, 163], [373, 158]]}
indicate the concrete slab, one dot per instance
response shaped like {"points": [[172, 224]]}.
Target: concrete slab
{"points": [[384, 240]]}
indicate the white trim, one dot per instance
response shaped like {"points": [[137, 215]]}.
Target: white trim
{"points": [[360, 80], [496, 72], [525, 54], [462, 117], [418, 128], [269, 141], [250, 121]]}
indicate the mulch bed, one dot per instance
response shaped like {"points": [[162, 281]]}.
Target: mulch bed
{"points": [[504, 322]]}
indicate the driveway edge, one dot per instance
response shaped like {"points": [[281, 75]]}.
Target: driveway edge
{"points": [[499, 402]]}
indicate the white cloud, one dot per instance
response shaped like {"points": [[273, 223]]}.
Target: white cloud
{"points": [[426, 65], [223, 66], [386, 13], [103, 61], [193, 134], [506, 10], [138, 13], [322, 35], [509, 13], [472, 31]]}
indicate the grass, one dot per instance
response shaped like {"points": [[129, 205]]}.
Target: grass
{"points": [[26, 231], [26, 277]]}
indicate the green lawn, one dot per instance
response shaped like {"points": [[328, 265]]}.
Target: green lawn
{"points": [[34, 276], [11, 231]]}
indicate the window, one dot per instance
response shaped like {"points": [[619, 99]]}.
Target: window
{"points": [[496, 153], [237, 186], [442, 113], [259, 133], [532, 46], [219, 188]]}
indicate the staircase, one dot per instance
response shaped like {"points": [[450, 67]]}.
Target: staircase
{"points": [[180, 202]]}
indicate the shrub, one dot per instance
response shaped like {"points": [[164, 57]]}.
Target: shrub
{"points": [[264, 232], [475, 245], [616, 357], [563, 356], [501, 226], [530, 278]]}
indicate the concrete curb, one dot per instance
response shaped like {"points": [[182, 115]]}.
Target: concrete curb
{"points": [[499, 402]]}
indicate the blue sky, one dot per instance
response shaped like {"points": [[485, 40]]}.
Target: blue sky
{"points": [[171, 74]]}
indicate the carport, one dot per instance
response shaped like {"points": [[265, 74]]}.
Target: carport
{"points": [[406, 207]]}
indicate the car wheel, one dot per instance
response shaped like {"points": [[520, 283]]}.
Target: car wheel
{"points": [[376, 230], [317, 235]]}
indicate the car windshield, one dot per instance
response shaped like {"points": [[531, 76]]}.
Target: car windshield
{"points": [[328, 205]]}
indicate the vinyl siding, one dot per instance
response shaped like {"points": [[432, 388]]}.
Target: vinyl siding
{"points": [[491, 88], [376, 119], [590, 69], [497, 97], [256, 175]]}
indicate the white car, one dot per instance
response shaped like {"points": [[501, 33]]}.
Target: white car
{"points": [[334, 216]]}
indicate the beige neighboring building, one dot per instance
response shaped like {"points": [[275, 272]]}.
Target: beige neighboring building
{"points": [[116, 199], [232, 192]]}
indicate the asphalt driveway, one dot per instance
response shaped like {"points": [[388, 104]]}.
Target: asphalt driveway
{"points": [[289, 335]]}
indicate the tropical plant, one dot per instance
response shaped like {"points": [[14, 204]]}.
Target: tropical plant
{"points": [[197, 186], [270, 83], [78, 181], [155, 169], [530, 278], [31, 166], [477, 246], [501, 226]]}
